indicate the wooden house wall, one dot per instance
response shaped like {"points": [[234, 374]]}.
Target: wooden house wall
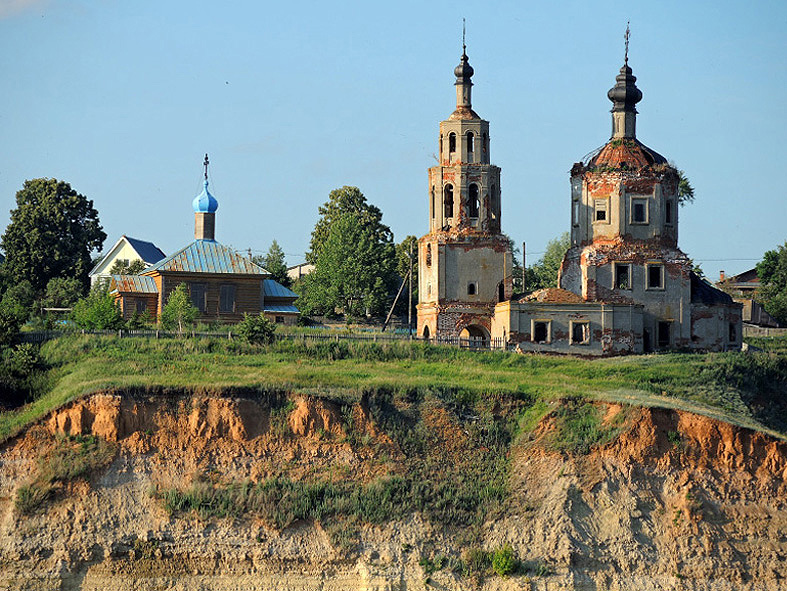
{"points": [[128, 304], [247, 293]]}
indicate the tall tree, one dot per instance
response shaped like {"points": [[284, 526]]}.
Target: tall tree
{"points": [[353, 272], [772, 273], [543, 273], [347, 200], [51, 234], [120, 267], [275, 264]]}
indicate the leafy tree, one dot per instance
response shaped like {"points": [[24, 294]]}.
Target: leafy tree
{"points": [[275, 264], [347, 200], [134, 267], [179, 312], [62, 292], [51, 234], [17, 302], [353, 271], [772, 272], [97, 311], [543, 273], [257, 329], [685, 190]]}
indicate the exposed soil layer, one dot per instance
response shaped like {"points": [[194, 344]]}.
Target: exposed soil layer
{"points": [[677, 501]]}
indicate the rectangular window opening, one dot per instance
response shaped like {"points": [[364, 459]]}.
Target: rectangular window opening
{"points": [[622, 276], [655, 277], [580, 333], [197, 292], [600, 207], [227, 298], [668, 213], [541, 332], [279, 319], [142, 305], [639, 211], [733, 335]]}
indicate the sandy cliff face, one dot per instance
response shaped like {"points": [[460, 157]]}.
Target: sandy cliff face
{"points": [[677, 501]]}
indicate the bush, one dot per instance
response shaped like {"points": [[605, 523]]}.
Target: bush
{"points": [[97, 311], [257, 329], [504, 562], [179, 312], [24, 359]]}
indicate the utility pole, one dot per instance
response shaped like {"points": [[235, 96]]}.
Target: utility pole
{"points": [[410, 298], [524, 265]]}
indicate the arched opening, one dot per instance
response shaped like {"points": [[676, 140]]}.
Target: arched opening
{"points": [[431, 203], [474, 337], [470, 146], [425, 333], [501, 292], [484, 142], [452, 142], [441, 145], [471, 288], [473, 205], [428, 255], [493, 205], [448, 201]]}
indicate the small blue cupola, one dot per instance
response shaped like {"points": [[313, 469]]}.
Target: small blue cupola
{"points": [[205, 206]]}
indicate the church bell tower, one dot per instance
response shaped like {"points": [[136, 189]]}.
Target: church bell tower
{"points": [[464, 261]]}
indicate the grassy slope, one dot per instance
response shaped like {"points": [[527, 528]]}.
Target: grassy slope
{"points": [[744, 389]]}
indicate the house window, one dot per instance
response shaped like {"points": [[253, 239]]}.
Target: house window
{"points": [[452, 142], [542, 331], [639, 211], [142, 305], [279, 319], [664, 334], [600, 206], [622, 276], [733, 334], [575, 212], [197, 291], [580, 333], [668, 213], [473, 205], [448, 202], [227, 298], [655, 276], [471, 288], [428, 255]]}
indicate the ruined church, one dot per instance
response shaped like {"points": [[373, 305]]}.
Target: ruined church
{"points": [[624, 285]]}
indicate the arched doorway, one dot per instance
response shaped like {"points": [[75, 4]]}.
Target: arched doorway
{"points": [[474, 337], [425, 333]]}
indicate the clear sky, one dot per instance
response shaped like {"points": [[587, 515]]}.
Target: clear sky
{"points": [[294, 99]]}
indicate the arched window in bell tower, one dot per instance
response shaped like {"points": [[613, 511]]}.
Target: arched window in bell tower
{"points": [[428, 255], [473, 205], [448, 202], [470, 146], [451, 142], [485, 144], [441, 146], [493, 201]]}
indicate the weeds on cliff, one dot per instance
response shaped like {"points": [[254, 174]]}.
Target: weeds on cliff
{"points": [[71, 458], [579, 427]]}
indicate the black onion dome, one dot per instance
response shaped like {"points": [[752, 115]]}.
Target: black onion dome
{"points": [[625, 94], [464, 71]]}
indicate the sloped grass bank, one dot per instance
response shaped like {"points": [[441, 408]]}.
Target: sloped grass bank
{"points": [[748, 389]]}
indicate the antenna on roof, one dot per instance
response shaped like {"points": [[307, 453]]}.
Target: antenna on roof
{"points": [[206, 166], [626, 37], [464, 47]]}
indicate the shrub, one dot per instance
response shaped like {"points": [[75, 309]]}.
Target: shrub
{"points": [[97, 311], [257, 330], [504, 562], [24, 359], [179, 312], [476, 562]]}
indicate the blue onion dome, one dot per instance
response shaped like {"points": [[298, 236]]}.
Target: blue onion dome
{"points": [[205, 202]]}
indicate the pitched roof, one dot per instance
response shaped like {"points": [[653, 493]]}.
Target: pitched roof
{"points": [[208, 256], [147, 251], [273, 289], [703, 292], [133, 284]]}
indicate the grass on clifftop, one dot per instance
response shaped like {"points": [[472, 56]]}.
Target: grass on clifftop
{"points": [[748, 389]]}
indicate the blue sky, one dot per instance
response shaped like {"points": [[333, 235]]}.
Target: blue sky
{"points": [[291, 100]]}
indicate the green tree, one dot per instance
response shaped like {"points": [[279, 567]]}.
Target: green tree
{"points": [[772, 272], [52, 232], [274, 262], [134, 267], [685, 190], [347, 200], [97, 311], [17, 302], [543, 273], [353, 272], [179, 312], [62, 292]]}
